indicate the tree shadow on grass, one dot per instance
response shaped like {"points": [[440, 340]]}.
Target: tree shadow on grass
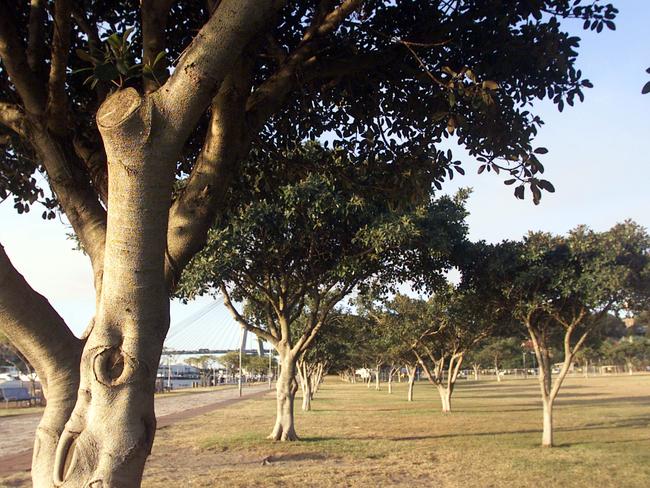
{"points": [[537, 395], [632, 422], [603, 401], [298, 456]]}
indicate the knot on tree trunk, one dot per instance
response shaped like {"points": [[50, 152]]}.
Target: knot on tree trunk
{"points": [[112, 366]]}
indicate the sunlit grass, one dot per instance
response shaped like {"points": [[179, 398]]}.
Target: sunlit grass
{"points": [[360, 437], [12, 411]]}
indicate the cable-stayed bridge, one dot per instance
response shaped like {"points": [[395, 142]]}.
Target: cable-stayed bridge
{"points": [[207, 329]]}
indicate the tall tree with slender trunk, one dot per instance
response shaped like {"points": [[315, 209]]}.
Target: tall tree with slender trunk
{"points": [[139, 115], [561, 288], [305, 241]]}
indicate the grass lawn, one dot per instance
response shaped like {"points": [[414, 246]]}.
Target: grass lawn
{"points": [[357, 437], [11, 411]]}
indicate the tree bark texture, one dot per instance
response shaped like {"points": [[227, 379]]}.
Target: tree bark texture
{"points": [[44, 339], [284, 429], [445, 398], [110, 432], [547, 433]]}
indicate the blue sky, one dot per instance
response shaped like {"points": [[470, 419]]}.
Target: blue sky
{"points": [[598, 161]]}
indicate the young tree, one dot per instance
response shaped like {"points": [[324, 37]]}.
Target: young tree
{"points": [[204, 363], [633, 352], [230, 361], [561, 288], [332, 349], [499, 350], [183, 91], [396, 326], [460, 320], [304, 242]]}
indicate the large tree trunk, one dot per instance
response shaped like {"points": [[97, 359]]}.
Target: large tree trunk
{"points": [[284, 429], [109, 435], [475, 367]]}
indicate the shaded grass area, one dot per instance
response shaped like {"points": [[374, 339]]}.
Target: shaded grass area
{"points": [[357, 437]]}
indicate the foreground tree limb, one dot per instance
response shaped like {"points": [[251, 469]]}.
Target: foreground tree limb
{"points": [[42, 336]]}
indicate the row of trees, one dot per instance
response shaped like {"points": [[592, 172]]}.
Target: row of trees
{"points": [[160, 126], [554, 291]]}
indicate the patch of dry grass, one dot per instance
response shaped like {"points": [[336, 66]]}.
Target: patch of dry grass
{"points": [[357, 437]]}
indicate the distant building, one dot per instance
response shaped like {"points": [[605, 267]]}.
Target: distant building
{"points": [[181, 376]]}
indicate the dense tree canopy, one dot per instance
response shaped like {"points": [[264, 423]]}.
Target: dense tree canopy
{"points": [[380, 77]]}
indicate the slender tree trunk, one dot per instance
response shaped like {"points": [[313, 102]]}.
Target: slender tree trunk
{"points": [[411, 375], [445, 398], [547, 433], [284, 429], [306, 379], [391, 373], [307, 397], [377, 378], [496, 371], [475, 368]]}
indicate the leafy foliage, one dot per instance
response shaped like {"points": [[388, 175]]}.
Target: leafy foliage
{"points": [[393, 80], [315, 222]]}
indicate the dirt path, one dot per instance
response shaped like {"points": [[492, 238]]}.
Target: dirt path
{"points": [[17, 433]]}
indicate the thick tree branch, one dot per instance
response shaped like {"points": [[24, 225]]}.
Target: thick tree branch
{"points": [[36, 40], [242, 321], [57, 99], [226, 143], [76, 196], [12, 53], [13, 117], [269, 96], [209, 59], [33, 326], [154, 21]]}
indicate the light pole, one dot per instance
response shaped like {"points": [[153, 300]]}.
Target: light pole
{"points": [[169, 372], [242, 346]]}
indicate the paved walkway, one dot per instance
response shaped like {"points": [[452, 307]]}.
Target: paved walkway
{"points": [[17, 432]]}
